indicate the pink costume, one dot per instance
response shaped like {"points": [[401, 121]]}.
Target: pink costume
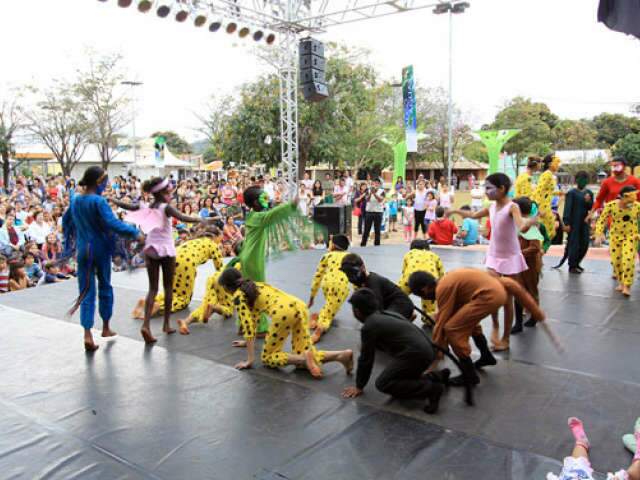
{"points": [[504, 255], [155, 223]]}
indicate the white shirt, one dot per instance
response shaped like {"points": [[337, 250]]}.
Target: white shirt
{"points": [[420, 199], [308, 183], [476, 197], [38, 233], [337, 190], [373, 205], [270, 189], [348, 181]]}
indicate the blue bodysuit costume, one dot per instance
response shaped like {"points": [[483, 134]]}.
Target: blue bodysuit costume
{"points": [[90, 224]]}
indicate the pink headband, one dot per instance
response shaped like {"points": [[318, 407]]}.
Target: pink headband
{"points": [[161, 186]]}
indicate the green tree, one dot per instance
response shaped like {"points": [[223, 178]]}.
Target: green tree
{"points": [[534, 119], [629, 147], [475, 151], [11, 121], [574, 135], [175, 143], [612, 127]]}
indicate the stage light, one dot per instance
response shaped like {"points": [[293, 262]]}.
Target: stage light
{"points": [[270, 39], [182, 14], [215, 25], [244, 31], [231, 27], [124, 3], [257, 35], [144, 5], [164, 8], [200, 19]]}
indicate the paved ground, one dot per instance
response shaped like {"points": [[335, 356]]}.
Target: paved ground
{"points": [[178, 409]]}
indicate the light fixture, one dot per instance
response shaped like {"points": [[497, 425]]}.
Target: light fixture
{"points": [[270, 39], [442, 8], [124, 3], [183, 12], [244, 31], [144, 5], [199, 19], [460, 7], [231, 27], [215, 25], [164, 8], [257, 35]]}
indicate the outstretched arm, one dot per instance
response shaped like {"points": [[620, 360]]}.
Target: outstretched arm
{"points": [[121, 228], [523, 224], [174, 212], [468, 214], [125, 205]]}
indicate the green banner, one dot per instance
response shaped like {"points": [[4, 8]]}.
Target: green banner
{"points": [[409, 107], [494, 140], [399, 162]]}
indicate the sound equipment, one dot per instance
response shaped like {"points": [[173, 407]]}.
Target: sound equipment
{"points": [[335, 218], [312, 70]]}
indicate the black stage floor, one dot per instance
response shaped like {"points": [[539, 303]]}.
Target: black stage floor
{"points": [[178, 410]]}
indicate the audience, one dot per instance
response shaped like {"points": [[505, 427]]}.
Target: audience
{"points": [[442, 230]]}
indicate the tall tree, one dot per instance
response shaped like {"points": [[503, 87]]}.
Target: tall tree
{"points": [[534, 119], [629, 148], [11, 121], [213, 122], [98, 86], [61, 121], [574, 135], [612, 127], [175, 143]]}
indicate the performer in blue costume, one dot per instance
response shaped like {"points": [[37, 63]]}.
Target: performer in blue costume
{"points": [[89, 229]]}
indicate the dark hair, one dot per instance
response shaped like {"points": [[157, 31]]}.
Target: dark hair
{"points": [[619, 158], [231, 279], [251, 195], [440, 212], [3, 258], [546, 163], [466, 208], [91, 176], [352, 260], [365, 300], [499, 180], [418, 244], [626, 189], [49, 265], [525, 205], [582, 175], [13, 269], [148, 185], [341, 241], [534, 161], [237, 247], [419, 280], [29, 254]]}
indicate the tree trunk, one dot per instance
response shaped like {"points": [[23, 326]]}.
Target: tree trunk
{"points": [[415, 170], [5, 169]]}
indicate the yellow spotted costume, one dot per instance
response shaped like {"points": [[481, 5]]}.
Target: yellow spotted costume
{"points": [[289, 316], [334, 284], [543, 196], [418, 260], [523, 186], [189, 256], [623, 238], [216, 296]]}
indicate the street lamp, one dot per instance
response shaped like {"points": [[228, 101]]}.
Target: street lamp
{"points": [[450, 8], [132, 84]]}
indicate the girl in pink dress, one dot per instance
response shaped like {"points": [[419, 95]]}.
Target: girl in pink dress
{"points": [[504, 257], [159, 251]]}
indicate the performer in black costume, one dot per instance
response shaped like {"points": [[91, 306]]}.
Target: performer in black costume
{"points": [[578, 202]]}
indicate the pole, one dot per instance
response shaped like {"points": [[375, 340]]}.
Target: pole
{"points": [[450, 114]]}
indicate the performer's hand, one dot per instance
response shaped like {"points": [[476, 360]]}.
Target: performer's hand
{"points": [[239, 344], [597, 241], [567, 228], [140, 238], [351, 392], [310, 304], [243, 365]]}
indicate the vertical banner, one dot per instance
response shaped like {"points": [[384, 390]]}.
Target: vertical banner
{"points": [[494, 140], [159, 145], [409, 104], [399, 163]]}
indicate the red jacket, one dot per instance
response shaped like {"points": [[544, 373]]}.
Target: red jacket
{"points": [[441, 231], [610, 189]]}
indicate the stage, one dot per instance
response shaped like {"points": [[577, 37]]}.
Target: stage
{"points": [[178, 409]]}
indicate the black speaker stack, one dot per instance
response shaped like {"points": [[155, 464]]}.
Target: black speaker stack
{"points": [[312, 70], [335, 218]]}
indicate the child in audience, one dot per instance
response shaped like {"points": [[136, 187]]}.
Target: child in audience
{"points": [[32, 268], [52, 273], [442, 230], [408, 219], [18, 279], [4, 274]]}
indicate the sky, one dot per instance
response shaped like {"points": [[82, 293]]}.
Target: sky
{"points": [[549, 50]]}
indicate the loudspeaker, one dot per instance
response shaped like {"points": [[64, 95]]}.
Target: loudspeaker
{"points": [[335, 218], [312, 70], [315, 92]]}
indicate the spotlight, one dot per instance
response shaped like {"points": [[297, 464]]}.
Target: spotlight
{"points": [[144, 5], [270, 39], [200, 19], [244, 31], [124, 3], [257, 35], [182, 14], [215, 25], [164, 9], [231, 27]]}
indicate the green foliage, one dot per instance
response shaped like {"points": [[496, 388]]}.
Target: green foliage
{"points": [[175, 143], [534, 119], [629, 148], [574, 135], [475, 151], [612, 127]]}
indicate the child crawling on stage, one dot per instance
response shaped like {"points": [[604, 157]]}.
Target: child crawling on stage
{"points": [[578, 466]]}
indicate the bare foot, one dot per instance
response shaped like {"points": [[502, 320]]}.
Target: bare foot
{"points": [[619, 288], [138, 312], [239, 344], [183, 328], [313, 321], [168, 330], [317, 334], [312, 366], [346, 359], [625, 291], [495, 336], [146, 334], [90, 346], [107, 332], [501, 346]]}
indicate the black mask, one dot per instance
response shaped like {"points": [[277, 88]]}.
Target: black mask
{"points": [[355, 274]]}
